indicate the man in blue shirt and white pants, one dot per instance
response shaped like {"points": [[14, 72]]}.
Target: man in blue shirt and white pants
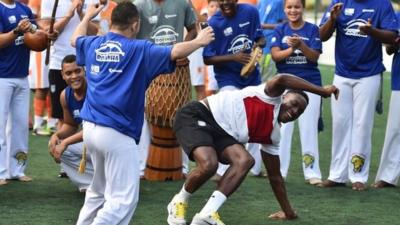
{"points": [[361, 28], [119, 70]]}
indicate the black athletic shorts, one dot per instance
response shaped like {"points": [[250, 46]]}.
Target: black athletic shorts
{"points": [[57, 85], [195, 126]]}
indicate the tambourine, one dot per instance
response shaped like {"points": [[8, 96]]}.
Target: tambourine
{"points": [[247, 69]]}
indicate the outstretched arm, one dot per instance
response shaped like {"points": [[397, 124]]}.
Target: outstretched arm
{"points": [[272, 165], [82, 28], [183, 49], [277, 85]]}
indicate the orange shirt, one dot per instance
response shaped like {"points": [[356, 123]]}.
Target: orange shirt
{"points": [[252, 2], [199, 5]]}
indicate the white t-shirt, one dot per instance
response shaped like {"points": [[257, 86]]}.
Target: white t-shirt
{"points": [[249, 115], [62, 46]]}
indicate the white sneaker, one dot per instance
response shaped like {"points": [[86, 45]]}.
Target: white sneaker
{"points": [[176, 212], [212, 219]]}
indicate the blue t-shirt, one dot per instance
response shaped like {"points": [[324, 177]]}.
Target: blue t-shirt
{"points": [[118, 72], [231, 36], [14, 59], [74, 106], [396, 65], [297, 63], [359, 55], [271, 12]]}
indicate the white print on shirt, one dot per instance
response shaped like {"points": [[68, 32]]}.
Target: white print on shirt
{"points": [[94, 69], [153, 19], [109, 51], [244, 24], [170, 16], [228, 31], [12, 19], [76, 113], [353, 28], [239, 43], [19, 40], [164, 35], [298, 58], [349, 11], [368, 10]]}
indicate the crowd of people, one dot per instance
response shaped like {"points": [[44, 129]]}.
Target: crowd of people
{"points": [[104, 56]]}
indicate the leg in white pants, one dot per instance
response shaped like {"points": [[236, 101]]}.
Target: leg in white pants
{"points": [[365, 96], [143, 146], [389, 167], [114, 192], [14, 131], [308, 128], [352, 121], [70, 161]]}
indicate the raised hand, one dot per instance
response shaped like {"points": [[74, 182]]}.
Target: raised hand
{"points": [[294, 41], [336, 10], [205, 36]]}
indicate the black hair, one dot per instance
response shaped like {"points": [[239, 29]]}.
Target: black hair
{"points": [[298, 92], [68, 59], [303, 2], [124, 14]]}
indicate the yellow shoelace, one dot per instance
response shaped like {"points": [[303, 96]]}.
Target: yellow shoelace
{"points": [[181, 209]]}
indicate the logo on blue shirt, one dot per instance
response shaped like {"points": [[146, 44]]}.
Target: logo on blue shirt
{"points": [[353, 28], [109, 51], [239, 43]]}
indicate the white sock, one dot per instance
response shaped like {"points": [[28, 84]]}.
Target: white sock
{"points": [[183, 195], [51, 122], [214, 203], [37, 121]]}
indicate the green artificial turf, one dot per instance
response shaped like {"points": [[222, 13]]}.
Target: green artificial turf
{"points": [[49, 200]]}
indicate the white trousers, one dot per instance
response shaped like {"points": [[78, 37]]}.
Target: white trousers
{"points": [[308, 128], [352, 123], [70, 161], [252, 148], [114, 192], [14, 130], [144, 145], [389, 167]]}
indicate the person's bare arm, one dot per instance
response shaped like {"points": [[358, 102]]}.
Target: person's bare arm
{"points": [[326, 30], [272, 164], [82, 28], [191, 32], [279, 83], [277, 54], [183, 49], [309, 53], [384, 36], [67, 129], [7, 38]]}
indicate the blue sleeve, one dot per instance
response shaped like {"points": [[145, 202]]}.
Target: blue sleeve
{"points": [[276, 38], [281, 12], [327, 13], [387, 18], [209, 50], [158, 60], [82, 44], [315, 41]]}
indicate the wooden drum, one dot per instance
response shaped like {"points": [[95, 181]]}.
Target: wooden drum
{"points": [[165, 95]]}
